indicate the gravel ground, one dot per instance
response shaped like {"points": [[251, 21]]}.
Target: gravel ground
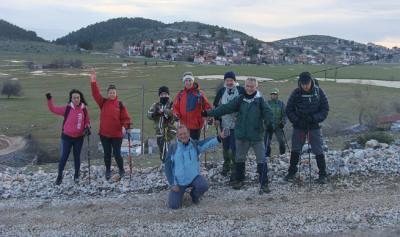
{"points": [[361, 199]]}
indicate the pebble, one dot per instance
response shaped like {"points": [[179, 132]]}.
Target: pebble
{"points": [[377, 158]]}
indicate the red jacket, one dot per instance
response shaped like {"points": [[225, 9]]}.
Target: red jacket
{"points": [[76, 121], [112, 118], [188, 105]]}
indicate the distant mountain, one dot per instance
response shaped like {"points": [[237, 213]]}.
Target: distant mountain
{"points": [[9, 31], [104, 34]]}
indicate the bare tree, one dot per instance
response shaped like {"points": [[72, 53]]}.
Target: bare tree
{"points": [[11, 88]]}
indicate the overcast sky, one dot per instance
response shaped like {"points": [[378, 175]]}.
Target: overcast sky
{"points": [[360, 20]]}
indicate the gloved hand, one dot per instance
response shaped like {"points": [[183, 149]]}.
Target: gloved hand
{"points": [[210, 121], [309, 118], [48, 96], [87, 131], [281, 125], [270, 129], [303, 123], [204, 113]]}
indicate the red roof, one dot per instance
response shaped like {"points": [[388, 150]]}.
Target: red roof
{"points": [[389, 118]]}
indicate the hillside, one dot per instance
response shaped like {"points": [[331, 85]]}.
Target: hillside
{"points": [[9, 31], [102, 35]]}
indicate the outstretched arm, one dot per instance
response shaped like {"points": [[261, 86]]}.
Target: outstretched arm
{"points": [[59, 110], [229, 108], [96, 90], [208, 144]]}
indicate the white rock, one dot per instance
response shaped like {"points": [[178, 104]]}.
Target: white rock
{"points": [[372, 143]]}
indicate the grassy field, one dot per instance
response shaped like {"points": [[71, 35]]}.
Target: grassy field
{"points": [[29, 114]]}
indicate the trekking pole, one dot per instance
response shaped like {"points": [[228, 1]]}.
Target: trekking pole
{"points": [[284, 137], [88, 152], [309, 157], [129, 153], [263, 171], [204, 137]]}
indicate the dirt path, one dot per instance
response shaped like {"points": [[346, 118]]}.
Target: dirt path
{"points": [[11, 144], [222, 212]]}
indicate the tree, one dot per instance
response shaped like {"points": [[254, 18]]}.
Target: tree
{"points": [[11, 88], [221, 51], [85, 45]]}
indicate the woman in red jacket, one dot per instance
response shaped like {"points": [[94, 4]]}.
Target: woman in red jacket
{"points": [[113, 118], [76, 124]]}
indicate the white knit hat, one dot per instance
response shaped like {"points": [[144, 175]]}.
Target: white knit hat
{"points": [[187, 76]]}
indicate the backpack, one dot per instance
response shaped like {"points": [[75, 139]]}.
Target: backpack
{"points": [[66, 113], [199, 97], [169, 164]]}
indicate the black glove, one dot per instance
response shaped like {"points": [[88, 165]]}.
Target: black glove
{"points": [[281, 125], [303, 123], [48, 96], [270, 129], [309, 118], [204, 113], [219, 139], [306, 117], [87, 131]]}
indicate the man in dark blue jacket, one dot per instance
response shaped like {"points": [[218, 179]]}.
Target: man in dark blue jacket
{"points": [[306, 108]]}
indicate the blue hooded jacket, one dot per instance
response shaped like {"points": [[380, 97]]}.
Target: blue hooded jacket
{"points": [[185, 160]]}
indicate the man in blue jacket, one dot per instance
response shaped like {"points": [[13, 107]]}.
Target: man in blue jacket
{"points": [[307, 106], [184, 156]]}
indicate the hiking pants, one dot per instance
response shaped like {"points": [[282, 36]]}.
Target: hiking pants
{"points": [[299, 137], [199, 186], [279, 137], [112, 145]]}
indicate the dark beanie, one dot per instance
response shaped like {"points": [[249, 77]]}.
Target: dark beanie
{"points": [[230, 75], [163, 89], [304, 78]]}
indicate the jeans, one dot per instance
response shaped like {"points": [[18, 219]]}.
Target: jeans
{"points": [[199, 187], [67, 143]]}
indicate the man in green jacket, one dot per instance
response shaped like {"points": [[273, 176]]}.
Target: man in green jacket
{"points": [[253, 116], [278, 111]]}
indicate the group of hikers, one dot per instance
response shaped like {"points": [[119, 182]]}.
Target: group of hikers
{"points": [[243, 119]]}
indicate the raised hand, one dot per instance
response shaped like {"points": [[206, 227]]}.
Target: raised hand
{"points": [[93, 76]]}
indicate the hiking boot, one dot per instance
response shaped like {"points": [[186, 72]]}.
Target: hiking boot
{"points": [[121, 173], [322, 179], [195, 200], [225, 170], [289, 178], [265, 189], [108, 174], [238, 185], [240, 168], [59, 179], [76, 177]]}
